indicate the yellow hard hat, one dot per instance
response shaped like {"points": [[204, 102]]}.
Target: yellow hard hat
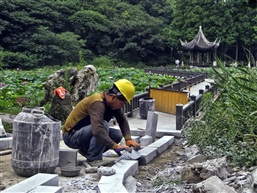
{"points": [[126, 88]]}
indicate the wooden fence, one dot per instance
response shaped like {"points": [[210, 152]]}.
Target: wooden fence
{"points": [[166, 100]]}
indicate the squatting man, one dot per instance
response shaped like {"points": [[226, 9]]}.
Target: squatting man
{"points": [[87, 129]]}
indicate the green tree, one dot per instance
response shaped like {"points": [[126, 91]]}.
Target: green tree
{"points": [[136, 34], [55, 49], [93, 27]]}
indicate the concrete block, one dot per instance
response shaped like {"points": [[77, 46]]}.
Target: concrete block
{"points": [[113, 179], [136, 138], [2, 130], [115, 183], [151, 124], [163, 143], [5, 143], [175, 133], [67, 157], [137, 132], [47, 189], [146, 140], [111, 188], [126, 167], [148, 154], [33, 182], [61, 136], [131, 184]]}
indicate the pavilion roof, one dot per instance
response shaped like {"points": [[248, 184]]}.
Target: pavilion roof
{"points": [[200, 42]]}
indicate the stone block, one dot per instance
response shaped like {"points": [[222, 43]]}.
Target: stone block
{"points": [[113, 179], [151, 124], [146, 140], [131, 184], [148, 154], [5, 143], [175, 133], [111, 188], [213, 184], [33, 182], [136, 138], [67, 157], [61, 136], [163, 143], [126, 167], [115, 183], [47, 189], [137, 132]]}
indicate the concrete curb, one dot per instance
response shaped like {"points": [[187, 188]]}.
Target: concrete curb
{"points": [[126, 168], [34, 183], [6, 142], [114, 183], [141, 132]]}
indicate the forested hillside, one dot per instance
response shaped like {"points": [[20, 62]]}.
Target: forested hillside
{"points": [[46, 32]]}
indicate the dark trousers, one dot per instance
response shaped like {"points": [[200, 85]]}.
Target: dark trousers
{"points": [[84, 140]]}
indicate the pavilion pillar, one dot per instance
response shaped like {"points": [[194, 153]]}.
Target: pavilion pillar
{"points": [[191, 57]]}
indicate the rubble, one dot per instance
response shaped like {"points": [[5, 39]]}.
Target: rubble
{"points": [[106, 171]]}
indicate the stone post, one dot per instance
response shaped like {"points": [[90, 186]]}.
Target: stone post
{"points": [[179, 116], [193, 98]]}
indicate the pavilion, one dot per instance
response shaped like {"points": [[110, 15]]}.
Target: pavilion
{"points": [[201, 50]]}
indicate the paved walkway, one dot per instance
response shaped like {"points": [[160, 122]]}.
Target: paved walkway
{"points": [[166, 122]]}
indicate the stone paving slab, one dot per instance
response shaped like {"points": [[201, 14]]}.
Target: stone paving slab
{"points": [[159, 133], [162, 144], [148, 153], [5, 143], [114, 183], [125, 168], [31, 183], [47, 189], [112, 188], [175, 133]]}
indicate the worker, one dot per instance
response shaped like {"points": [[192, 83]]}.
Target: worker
{"points": [[87, 128]]}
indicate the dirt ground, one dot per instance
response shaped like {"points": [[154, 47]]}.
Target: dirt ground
{"points": [[148, 177], [159, 175], [7, 175]]}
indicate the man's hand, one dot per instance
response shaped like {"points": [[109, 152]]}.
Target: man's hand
{"points": [[130, 143], [120, 148]]}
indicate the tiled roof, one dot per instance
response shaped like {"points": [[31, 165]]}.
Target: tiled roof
{"points": [[200, 42]]}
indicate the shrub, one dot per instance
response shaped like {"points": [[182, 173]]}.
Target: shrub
{"points": [[16, 60]]}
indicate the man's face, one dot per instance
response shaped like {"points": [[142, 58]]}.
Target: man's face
{"points": [[117, 103]]}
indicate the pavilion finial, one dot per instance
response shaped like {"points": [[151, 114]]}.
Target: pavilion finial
{"points": [[200, 27]]}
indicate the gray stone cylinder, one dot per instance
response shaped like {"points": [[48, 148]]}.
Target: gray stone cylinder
{"points": [[36, 142]]}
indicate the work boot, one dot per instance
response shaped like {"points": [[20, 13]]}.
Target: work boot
{"points": [[98, 163]]}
